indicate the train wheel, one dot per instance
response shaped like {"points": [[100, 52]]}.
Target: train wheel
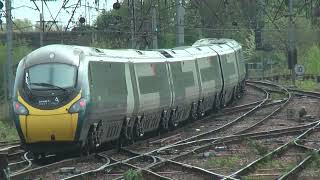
{"points": [[216, 107], [242, 88], [165, 121], [138, 128], [234, 95], [93, 139], [128, 130], [201, 109], [194, 112], [173, 123], [222, 101], [90, 141], [238, 92], [85, 150]]}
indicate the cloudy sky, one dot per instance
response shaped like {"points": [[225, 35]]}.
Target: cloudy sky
{"points": [[27, 9]]}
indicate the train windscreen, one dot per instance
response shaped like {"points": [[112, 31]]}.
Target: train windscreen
{"points": [[51, 76]]}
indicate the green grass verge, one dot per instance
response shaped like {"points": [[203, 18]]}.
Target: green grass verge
{"points": [[223, 162], [132, 175], [307, 85], [7, 131]]}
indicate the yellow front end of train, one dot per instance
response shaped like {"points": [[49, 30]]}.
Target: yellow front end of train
{"points": [[48, 125]]}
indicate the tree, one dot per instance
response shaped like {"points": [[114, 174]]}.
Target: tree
{"points": [[23, 25]]}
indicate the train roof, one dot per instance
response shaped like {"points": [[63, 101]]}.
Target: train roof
{"points": [[71, 54], [213, 41], [201, 51], [50, 53], [178, 55]]}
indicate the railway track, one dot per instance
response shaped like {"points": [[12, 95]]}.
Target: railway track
{"points": [[199, 169], [287, 148], [161, 158], [161, 168], [37, 169], [244, 120], [4, 144]]}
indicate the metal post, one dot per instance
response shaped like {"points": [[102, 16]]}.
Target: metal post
{"points": [[9, 50], [259, 24], [5, 89], [41, 31], [180, 11], [132, 23], [42, 24], [85, 11], [89, 13], [291, 43], [154, 28]]}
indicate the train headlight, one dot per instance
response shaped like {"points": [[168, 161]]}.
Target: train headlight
{"points": [[78, 106], [19, 108]]}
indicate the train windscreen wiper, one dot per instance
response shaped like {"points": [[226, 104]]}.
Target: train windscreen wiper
{"points": [[48, 85]]}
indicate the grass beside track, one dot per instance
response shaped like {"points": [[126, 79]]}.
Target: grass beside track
{"points": [[7, 130], [306, 85]]}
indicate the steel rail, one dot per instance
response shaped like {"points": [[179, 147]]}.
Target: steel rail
{"points": [[253, 135], [46, 168], [295, 170], [289, 98], [8, 143], [229, 123], [310, 93], [104, 156], [272, 103], [251, 165], [9, 148], [129, 159], [106, 165], [25, 168], [256, 135], [39, 169], [145, 171]]}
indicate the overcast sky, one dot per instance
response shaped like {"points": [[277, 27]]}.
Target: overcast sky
{"points": [[21, 11]]}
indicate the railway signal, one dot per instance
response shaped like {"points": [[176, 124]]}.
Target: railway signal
{"points": [[299, 69], [116, 5], [82, 20]]}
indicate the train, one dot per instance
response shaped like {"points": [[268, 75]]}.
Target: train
{"points": [[70, 98]]}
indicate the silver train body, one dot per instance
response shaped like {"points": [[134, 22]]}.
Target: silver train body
{"points": [[127, 93]]}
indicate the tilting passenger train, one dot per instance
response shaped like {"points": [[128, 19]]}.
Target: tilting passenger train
{"points": [[73, 97]]}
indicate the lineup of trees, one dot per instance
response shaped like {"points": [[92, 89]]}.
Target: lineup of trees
{"points": [[250, 22], [254, 23]]}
